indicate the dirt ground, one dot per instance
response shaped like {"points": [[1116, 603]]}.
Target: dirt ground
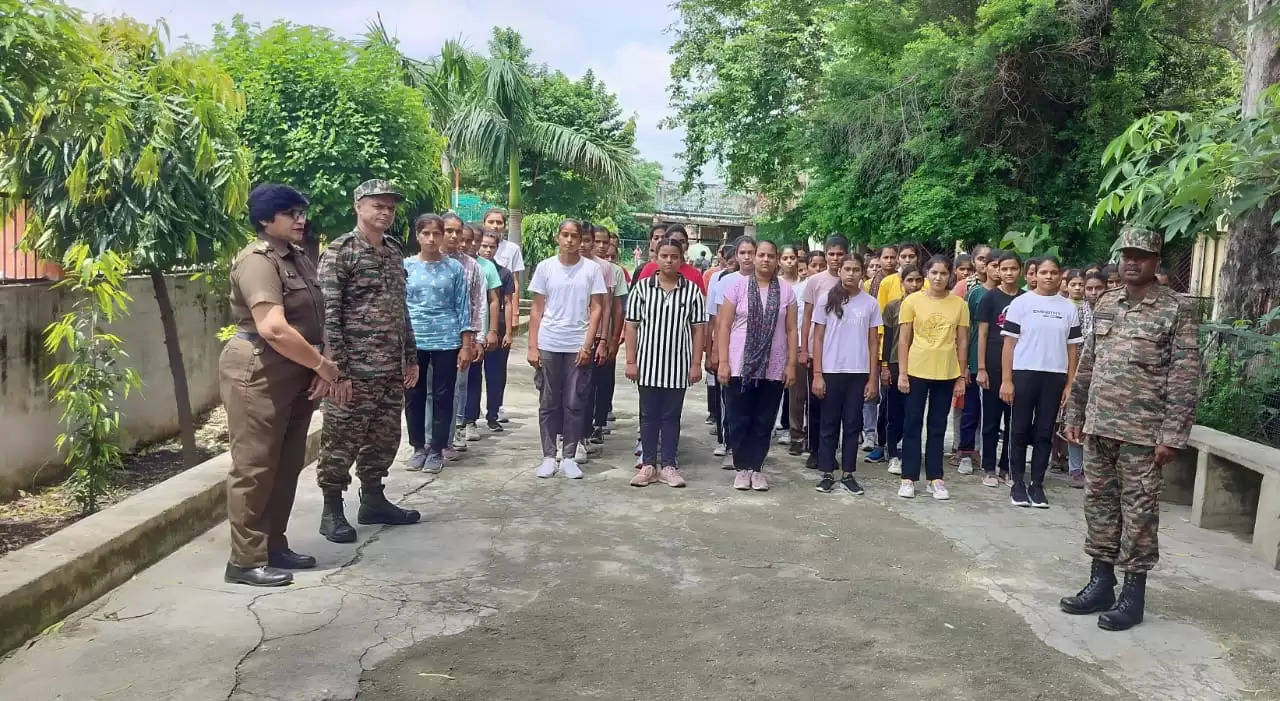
{"points": [[32, 515]]}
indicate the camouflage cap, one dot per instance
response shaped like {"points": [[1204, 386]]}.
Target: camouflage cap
{"points": [[1139, 238], [369, 188]]}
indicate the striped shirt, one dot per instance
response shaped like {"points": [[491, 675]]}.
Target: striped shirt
{"points": [[664, 330]]}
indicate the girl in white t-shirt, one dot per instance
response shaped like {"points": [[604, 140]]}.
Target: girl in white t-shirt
{"points": [[564, 324], [846, 340], [1041, 343]]}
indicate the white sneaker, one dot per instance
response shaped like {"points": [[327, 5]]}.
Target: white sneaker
{"points": [[939, 490], [473, 433], [637, 450], [907, 490], [547, 468], [727, 463], [579, 456], [502, 416], [966, 466], [895, 466], [720, 450], [570, 469]]}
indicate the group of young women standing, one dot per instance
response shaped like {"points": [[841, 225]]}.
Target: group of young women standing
{"points": [[882, 350], [461, 291]]}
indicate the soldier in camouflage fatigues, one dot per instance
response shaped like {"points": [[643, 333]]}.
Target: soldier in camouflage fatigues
{"points": [[368, 335], [1134, 394]]}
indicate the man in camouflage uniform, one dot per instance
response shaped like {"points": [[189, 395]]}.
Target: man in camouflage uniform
{"points": [[368, 335], [1133, 401]]}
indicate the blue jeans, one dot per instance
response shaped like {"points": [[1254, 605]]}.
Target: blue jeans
{"points": [[936, 394]]}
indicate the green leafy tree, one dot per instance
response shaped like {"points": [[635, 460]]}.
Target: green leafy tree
{"points": [[324, 115], [134, 151], [41, 39], [938, 121], [1186, 173], [92, 379]]}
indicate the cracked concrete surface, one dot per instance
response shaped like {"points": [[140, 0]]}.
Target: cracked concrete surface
{"points": [[513, 587]]}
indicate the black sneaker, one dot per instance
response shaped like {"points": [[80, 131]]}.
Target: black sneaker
{"points": [[828, 482], [796, 448], [851, 485], [597, 436], [1018, 494], [495, 426], [812, 462], [1036, 495]]}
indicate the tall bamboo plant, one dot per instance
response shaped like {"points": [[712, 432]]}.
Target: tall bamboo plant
{"points": [[92, 378]]}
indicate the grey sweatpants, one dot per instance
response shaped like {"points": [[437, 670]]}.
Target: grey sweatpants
{"points": [[562, 397]]}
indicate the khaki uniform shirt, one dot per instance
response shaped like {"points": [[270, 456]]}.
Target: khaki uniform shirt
{"points": [[276, 272], [1138, 375], [366, 319]]}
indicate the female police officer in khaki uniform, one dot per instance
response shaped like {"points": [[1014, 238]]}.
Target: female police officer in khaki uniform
{"points": [[271, 373]]}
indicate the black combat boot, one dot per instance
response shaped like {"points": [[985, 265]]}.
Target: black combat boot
{"points": [[264, 576], [1127, 612], [374, 508], [333, 523], [1098, 595]]}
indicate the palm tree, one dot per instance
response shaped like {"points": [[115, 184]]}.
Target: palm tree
{"points": [[485, 107], [495, 126]]}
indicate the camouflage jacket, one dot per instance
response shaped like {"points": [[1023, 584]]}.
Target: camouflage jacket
{"points": [[366, 321], [1138, 373]]}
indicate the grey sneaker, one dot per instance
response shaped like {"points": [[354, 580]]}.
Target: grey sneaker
{"points": [[418, 460], [434, 463]]}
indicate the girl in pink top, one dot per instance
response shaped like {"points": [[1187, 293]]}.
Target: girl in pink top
{"points": [[756, 340], [846, 371]]}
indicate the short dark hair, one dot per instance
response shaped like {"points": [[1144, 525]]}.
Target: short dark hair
{"points": [[655, 227], [494, 210], [424, 219], [1049, 259], [270, 199], [676, 227], [1011, 255], [837, 240]]}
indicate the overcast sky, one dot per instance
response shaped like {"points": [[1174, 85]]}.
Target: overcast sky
{"points": [[624, 42]]}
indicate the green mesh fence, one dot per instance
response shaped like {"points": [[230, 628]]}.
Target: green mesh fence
{"points": [[471, 207]]}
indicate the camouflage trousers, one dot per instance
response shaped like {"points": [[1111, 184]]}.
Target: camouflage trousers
{"points": [[365, 431], [1122, 503]]}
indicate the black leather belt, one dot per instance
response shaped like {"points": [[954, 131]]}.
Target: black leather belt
{"points": [[255, 337]]}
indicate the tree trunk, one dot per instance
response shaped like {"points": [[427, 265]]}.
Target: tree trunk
{"points": [[181, 395], [513, 197], [1246, 286]]}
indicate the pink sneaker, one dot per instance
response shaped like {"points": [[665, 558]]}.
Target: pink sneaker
{"points": [[742, 479], [450, 454], [758, 482], [670, 476], [645, 476]]}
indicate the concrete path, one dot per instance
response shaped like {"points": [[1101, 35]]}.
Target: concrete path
{"points": [[519, 588]]}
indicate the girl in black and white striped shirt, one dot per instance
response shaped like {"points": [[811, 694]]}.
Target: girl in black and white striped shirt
{"points": [[665, 329]]}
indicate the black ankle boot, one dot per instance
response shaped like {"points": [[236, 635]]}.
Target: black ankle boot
{"points": [[286, 559], [1098, 595], [333, 523], [1127, 612], [374, 508]]}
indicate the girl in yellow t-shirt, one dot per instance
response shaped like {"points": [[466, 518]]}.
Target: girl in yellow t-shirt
{"points": [[933, 342]]}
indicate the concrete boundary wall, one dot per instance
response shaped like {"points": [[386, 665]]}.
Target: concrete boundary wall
{"points": [[49, 579], [29, 419]]}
